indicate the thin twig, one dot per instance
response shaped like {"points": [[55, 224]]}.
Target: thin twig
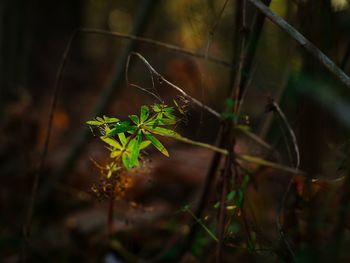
{"points": [[227, 172], [291, 133], [194, 100], [156, 44], [213, 30], [38, 174], [255, 138], [241, 29], [137, 86], [199, 221], [305, 43], [275, 108]]}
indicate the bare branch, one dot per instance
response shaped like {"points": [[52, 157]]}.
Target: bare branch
{"points": [[157, 44], [194, 100], [305, 43]]}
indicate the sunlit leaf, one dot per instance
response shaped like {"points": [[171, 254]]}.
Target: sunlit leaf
{"points": [[112, 168], [144, 113], [135, 149], [156, 143], [231, 207], [122, 138], [165, 121], [169, 116], [134, 118], [164, 132], [111, 142], [144, 144], [120, 127], [94, 123], [126, 161], [115, 153], [110, 120], [156, 107]]}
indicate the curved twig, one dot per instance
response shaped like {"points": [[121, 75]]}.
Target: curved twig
{"points": [[156, 44], [275, 108], [183, 93]]}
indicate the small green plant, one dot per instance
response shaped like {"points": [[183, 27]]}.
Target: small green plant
{"points": [[126, 139]]}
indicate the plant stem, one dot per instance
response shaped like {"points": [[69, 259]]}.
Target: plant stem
{"points": [[201, 144]]}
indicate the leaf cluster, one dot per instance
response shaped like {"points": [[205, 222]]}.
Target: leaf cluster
{"points": [[127, 138]]}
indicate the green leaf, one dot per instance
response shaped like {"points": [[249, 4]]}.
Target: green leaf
{"points": [[240, 198], [230, 103], [157, 144], [135, 119], [168, 110], [115, 153], [228, 115], [144, 113], [169, 116], [120, 127], [110, 120], [166, 121], [112, 168], [163, 131], [144, 144], [135, 149], [160, 121], [122, 138], [94, 123], [156, 107], [217, 205], [111, 142], [126, 160], [231, 195]]}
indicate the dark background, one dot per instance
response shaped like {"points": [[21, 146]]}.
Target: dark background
{"points": [[69, 222]]}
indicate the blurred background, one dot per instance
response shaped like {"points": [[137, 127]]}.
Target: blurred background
{"points": [[69, 221]]}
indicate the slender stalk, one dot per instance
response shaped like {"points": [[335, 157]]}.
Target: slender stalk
{"points": [[202, 144], [227, 172], [210, 233], [39, 172]]}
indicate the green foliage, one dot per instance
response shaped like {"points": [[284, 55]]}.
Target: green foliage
{"points": [[126, 139], [229, 114]]}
